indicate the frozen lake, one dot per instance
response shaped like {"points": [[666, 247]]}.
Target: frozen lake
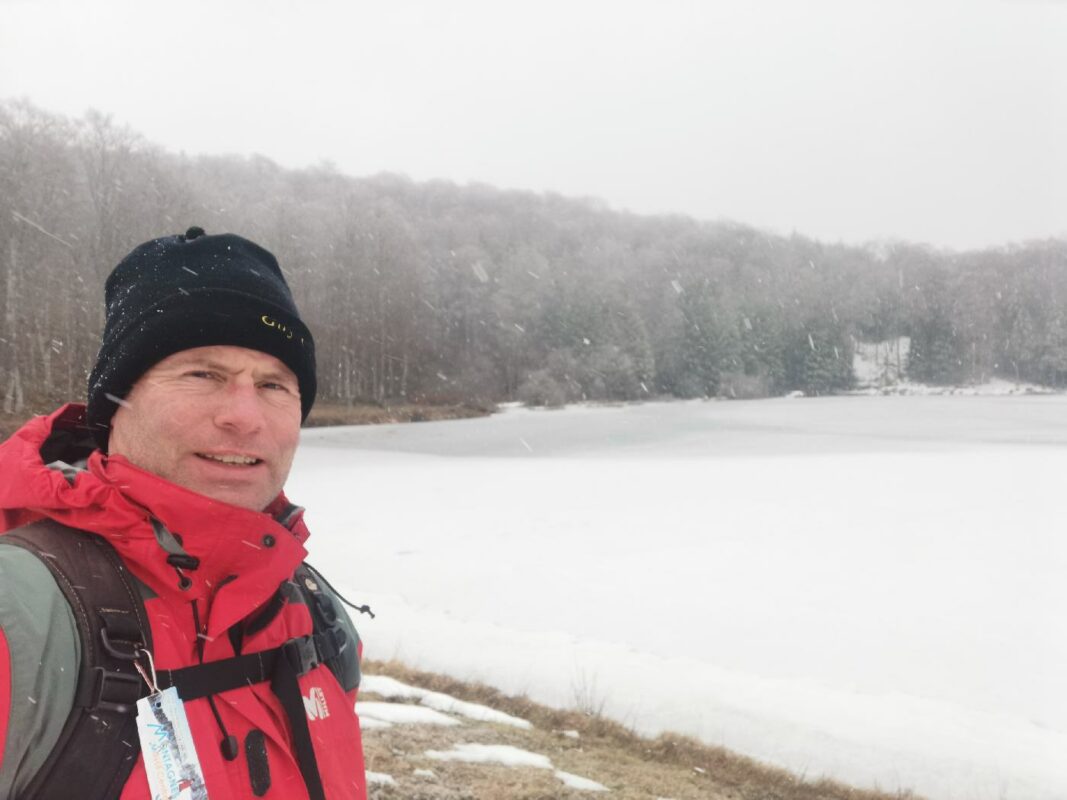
{"points": [[869, 588]]}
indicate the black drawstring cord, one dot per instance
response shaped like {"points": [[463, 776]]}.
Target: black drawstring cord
{"points": [[361, 609], [228, 745]]}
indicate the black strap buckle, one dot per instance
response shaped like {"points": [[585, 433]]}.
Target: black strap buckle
{"points": [[301, 654], [126, 653], [326, 607], [115, 691], [330, 643]]}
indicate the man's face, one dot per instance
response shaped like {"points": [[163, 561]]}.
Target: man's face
{"points": [[222, 421]]}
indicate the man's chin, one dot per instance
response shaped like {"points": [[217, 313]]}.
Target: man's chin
{"points": [[246, 487], [252, 504], [252, 498]]}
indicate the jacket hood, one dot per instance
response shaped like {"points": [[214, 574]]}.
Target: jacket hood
{"points": [[51, 469]]}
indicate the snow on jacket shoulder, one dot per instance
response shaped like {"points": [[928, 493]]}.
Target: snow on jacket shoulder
{"points": [[245, 558]]}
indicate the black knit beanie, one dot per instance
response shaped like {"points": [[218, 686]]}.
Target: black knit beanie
{"points": [[181, 292]]}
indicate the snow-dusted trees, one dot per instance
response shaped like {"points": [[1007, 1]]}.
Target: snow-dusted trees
{"points": [[434, 292], [74, 196], [36, 176]]}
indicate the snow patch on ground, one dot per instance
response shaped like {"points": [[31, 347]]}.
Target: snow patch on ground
{"points": [[383, 715], [370, 723], [492, 754], [380, 779], [385, 686], [402, 714], [513, 757], [580, 783]]}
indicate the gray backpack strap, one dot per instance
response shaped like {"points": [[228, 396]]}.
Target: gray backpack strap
{"points": [[98, 746], [332, 624]]}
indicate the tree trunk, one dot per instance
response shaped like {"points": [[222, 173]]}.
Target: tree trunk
{"points": [[13, 399]]}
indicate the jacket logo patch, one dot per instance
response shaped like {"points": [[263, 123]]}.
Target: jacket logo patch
{"points": [[315, 705]]}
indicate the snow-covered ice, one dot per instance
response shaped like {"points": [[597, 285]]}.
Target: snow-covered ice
{"points": [[869, 588], [391, 688]]}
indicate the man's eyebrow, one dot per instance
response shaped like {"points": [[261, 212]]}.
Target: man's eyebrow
{"points": [[218, 366], [278, 375], [203, 363]]}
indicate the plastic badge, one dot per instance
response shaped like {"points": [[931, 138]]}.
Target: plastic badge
{"points": [[170, 760]]}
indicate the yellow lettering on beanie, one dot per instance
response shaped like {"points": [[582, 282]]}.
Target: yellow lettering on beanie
{"points": [[272, 323]]}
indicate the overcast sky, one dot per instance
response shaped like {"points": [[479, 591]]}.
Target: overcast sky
{"points": [[941, 121]]}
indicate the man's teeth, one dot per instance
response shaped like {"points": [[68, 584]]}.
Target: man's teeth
{"points": [[231, 459]]}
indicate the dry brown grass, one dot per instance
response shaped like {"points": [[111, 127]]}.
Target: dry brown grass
{"points": [[326, 414], [9, 424], [633, 767]]}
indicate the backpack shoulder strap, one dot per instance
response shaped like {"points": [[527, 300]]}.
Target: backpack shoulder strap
{"points": [[332, 625], [98, 745]]}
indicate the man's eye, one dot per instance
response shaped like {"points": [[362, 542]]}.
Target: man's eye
{"points": [[275, 386], [200, 373]]}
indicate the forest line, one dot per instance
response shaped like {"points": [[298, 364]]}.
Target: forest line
{"points": [[437, 293]]}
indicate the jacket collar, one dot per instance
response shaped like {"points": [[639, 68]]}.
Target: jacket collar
{"points": [[243, 555]]}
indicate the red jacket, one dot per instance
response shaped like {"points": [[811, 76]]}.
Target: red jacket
{"points": [[244, 557]]}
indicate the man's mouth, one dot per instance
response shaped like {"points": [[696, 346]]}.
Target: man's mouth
{"points": [[231, 459]]}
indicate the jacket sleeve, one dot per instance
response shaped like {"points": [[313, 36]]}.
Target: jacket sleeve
{"points": [[39, 659]]}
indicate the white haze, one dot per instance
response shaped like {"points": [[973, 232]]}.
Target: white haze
{"points": [[940, 121], [866, 588]]}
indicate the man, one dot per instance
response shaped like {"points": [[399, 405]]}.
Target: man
{"points": [[204, 375]]}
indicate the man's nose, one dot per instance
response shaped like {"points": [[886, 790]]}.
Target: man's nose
{"points": [[240, 408]]}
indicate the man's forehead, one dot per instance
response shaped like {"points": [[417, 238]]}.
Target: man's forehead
{"points": [[227, 357]]}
